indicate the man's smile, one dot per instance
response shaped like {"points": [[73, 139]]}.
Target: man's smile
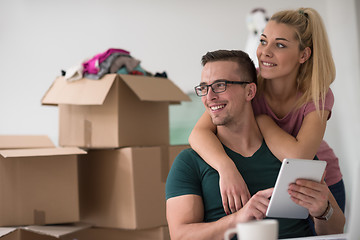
{"points": [[214, 108]]}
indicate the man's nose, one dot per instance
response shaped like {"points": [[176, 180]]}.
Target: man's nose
{"points": [[211, 95]]}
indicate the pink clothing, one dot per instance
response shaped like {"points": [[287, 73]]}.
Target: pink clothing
{"points": [[92, 66], [292, 122]]}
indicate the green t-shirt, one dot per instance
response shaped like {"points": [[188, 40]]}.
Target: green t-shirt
{"points": [[190, 174]]}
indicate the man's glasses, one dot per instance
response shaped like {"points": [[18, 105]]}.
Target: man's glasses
{"points": [[218, 86]]}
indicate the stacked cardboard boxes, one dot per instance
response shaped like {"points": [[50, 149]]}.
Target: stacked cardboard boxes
{"points": [[123, 123]]}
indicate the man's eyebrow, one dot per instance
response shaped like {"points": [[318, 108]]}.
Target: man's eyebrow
{"points": [[218, 80], [282, 39]]}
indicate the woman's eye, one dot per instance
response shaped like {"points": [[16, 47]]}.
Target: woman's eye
{"points": [[262, 42], [280, 45]]}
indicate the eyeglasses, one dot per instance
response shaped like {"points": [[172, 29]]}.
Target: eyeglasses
{"points": [[218, 86]]}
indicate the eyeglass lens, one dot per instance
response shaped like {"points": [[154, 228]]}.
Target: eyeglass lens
{"points": [[217, 87]]}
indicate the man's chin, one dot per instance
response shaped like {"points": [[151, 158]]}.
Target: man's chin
{"points": [[218, 122]]}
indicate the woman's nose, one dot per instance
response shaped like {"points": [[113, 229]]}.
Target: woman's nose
{"points": [[267, 51]]}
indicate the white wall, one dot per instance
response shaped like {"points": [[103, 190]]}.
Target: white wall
{"points": [[344, 127], [38, 38]]}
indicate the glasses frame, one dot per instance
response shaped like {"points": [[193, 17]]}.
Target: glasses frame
{"points": [[216, 82]]}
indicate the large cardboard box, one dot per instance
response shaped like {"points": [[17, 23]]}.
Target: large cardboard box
{"points": [[39, 186], [122, 188], [51, 232], [115, 111], [25, 141]]}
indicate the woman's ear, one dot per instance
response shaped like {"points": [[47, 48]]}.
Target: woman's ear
{"points": [[306, 54], [251, 91]]}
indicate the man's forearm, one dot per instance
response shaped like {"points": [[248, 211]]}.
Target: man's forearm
{"points": [[203, 231]]}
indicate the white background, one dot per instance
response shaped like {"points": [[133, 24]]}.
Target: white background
{"points": [[38, 38]]}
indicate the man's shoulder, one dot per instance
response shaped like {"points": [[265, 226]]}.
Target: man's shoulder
{"points": [[189, 158], [187, 154]]}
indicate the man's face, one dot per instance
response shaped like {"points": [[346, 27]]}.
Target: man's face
{"points": [[225, 107]]}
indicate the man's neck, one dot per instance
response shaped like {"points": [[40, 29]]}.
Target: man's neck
{"points": [[244, 137]]}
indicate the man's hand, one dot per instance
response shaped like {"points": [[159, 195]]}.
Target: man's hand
{"points": [[256, 207], [234, 191]]}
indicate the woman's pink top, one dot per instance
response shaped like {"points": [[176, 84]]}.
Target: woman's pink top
{"points": [[292, 122]]}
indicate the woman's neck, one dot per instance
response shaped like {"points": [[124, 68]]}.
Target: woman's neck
{"points": [[280, 91], [281, 96]]}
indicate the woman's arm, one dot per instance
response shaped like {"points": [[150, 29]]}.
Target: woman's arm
{"points": [[203, 140], [304, 145]]}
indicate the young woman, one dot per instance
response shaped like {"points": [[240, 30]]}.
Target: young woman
{"points": [[292, 106]]}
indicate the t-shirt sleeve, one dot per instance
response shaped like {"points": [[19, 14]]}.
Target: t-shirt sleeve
{"points": [[183, 178], [329, 103]]}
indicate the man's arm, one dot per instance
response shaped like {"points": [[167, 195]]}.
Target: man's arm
{"points": [[185, 216]]}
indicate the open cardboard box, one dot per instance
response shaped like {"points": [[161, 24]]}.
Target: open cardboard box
{"points": [[25, 141], [38, 185], [114, 111], [81, 231], [52, 232]]}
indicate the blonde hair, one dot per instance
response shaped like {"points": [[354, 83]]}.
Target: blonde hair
{"points": [[318, 72]]}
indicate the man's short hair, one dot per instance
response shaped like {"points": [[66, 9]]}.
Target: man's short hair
{"points": [[245, 63]]}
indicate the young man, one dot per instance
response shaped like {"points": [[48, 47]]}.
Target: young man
{"points": [[194, 205]]}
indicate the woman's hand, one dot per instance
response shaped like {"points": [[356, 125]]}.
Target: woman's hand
{"points": [[312, 195], [234, 191]]}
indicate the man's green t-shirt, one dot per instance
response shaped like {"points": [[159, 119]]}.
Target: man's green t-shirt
{"points": [[190, 174]]}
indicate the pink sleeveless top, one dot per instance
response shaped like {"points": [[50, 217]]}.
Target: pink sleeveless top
{"points": [[292, 122]]}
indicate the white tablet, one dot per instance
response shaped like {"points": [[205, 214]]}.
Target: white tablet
{"points": [[281, 205]]}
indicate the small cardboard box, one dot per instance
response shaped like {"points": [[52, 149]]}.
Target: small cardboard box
{"points": [[94, 233], [55, 232], [39, 186], [115, 111], [122, 188], [25, 141]]}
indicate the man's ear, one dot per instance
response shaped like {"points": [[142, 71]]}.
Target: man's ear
{"points": [[251, 91], [306, 54]]}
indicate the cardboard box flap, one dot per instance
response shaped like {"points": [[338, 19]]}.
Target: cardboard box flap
{"points": [[25, 141], [81, 92], [154, 88], [57, 230], [6, 230], [41, 152]]}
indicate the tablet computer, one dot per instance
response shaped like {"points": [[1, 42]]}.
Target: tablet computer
{"points": [[281, 205]]}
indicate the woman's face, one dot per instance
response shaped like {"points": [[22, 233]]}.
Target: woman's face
{"points": [[278, 52]]}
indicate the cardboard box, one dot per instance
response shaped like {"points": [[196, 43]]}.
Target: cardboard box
{"points": [[94, 233], [115, 111], [174, 150], [122, 188], [39, 186], [25, 141], [63, 232]]}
